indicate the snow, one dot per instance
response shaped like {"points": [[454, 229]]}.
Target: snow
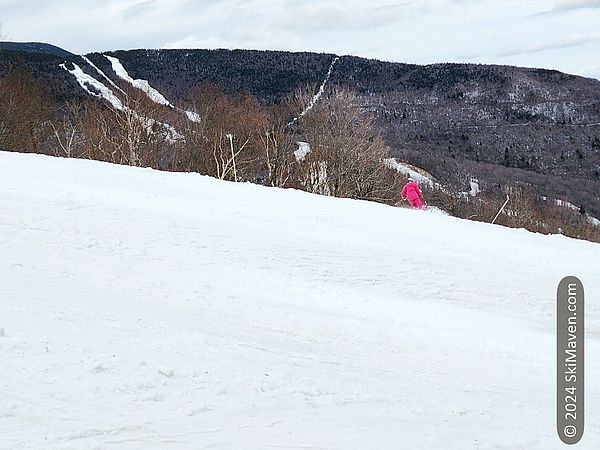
{"points": [[411, 171], [593, 220], [302, 150], [320, 92], [170, 133], [144, 309], [152, 93], [193, 116], [143, 85], [101, 73], [474, 185], [565, 204], [86, 81]]}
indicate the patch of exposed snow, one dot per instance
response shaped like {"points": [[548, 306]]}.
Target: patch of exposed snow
{"points": [[143, 85], [593, 220], [302, 151], [171, 134], [102, 74], [565, 204], [193, 116], [86, 81], [318, 95], [408, 170], [474, 183]]}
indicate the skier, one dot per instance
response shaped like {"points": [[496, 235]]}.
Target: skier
{"points": [[412, 192]]}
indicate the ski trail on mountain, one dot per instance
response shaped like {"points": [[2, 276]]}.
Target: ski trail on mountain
{"points": [[318, 95], [152, 93], [86, 81], [143, 85], [102, 74]]}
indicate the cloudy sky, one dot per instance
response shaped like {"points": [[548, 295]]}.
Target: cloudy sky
{"points": [[559, 34]]}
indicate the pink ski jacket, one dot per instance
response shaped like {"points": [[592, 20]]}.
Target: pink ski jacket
{"points": [[411, 191]]}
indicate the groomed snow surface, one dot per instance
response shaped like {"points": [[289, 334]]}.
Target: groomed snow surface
{"points": [[149, 310]]}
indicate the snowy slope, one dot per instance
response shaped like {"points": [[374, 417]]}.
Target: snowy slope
{"points": [[143, 85], [87, 81], [148, 310]]}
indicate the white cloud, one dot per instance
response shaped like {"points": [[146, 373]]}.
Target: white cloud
{"points": [[590, 71], [567, 5], [572, 40], [414, 31]]}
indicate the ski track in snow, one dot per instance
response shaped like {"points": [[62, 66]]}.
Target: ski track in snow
{"points": [[144, 309]]}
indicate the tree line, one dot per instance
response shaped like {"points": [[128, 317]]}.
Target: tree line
{"points": [[231, 136], [236, 137]]}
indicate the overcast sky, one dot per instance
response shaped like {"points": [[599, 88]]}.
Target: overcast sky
{"points": [[559, 34]]}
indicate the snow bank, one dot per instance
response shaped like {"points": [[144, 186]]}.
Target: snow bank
{"points": [[159, 310]]}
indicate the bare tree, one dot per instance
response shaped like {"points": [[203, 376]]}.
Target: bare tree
{"points": [[224, 136], [67, 130], [347, 150], [521, 212], [25, 110], [277, 144], [134, 134]]}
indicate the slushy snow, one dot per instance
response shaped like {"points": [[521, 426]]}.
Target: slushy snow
{"points": [[151, 310]]}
